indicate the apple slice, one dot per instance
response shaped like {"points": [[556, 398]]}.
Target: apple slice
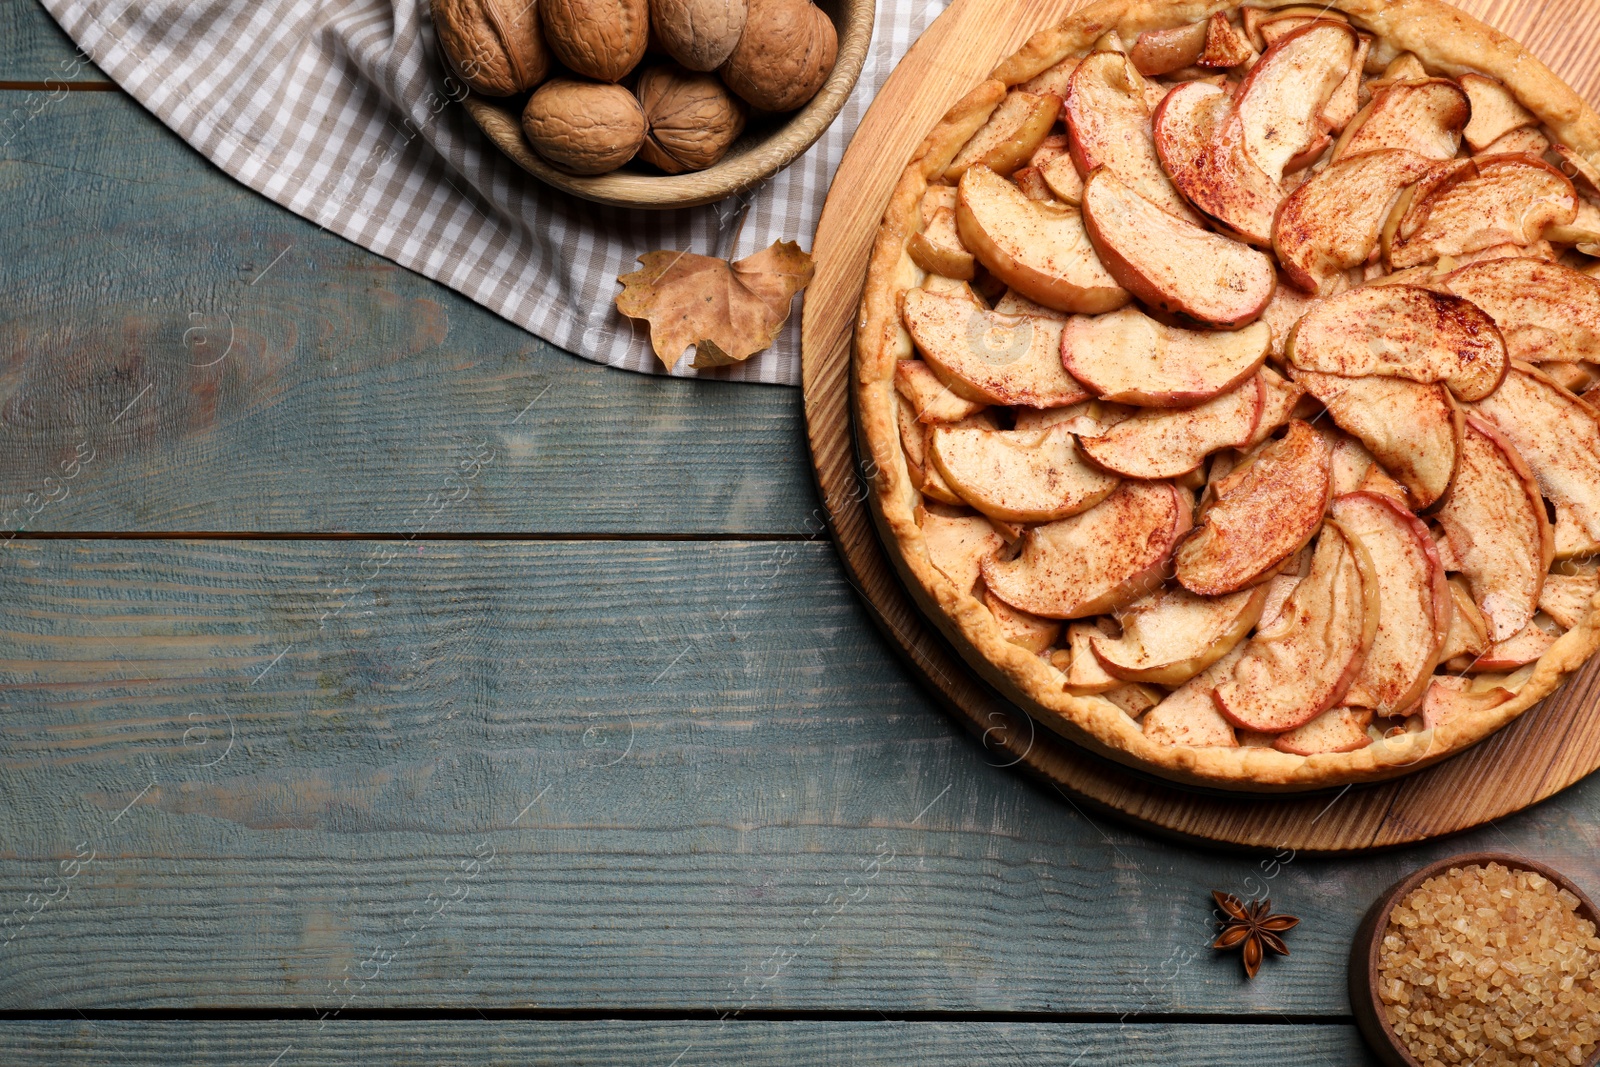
{"points": [[1279, 397], [930, 401], [1341, 729], [1451, 699], [1280, 587], [1033, 185], [914, 444], [1350, 463], [1414, 430], [1287, 307], [1051, 148], [1052, 79], [1545, 311], [1020, 628], [1264, 511], [913, 439], [1278, 27], [1421, 117], [1575, 165], [1088, 418], [1525, 646], [1017, 475], [1495, 112], [1402, 331], [1307, 661], [1569, 598], [1036, 247], [1171, 264], [1108, 125], [1468, 634], [1166, 443], [1097, 561], [1173, 636], [1255, 19], [1128, 357], [1467, 205], [1526, 140], [1053, 161], [1559, 437], [937, 248], [1225, 46], [1135, 699], [1583, 231], [958, 543], [1405, 67], [1342, 106], [1084, 673], [1201, 144], [1012, 302], [1377, 480], [1333, 222], [1013, 131], [1006, 359], [1157, 52], [924, 474], [1188, 716], [1279, 101], [1414, 601], [1495, 525]]}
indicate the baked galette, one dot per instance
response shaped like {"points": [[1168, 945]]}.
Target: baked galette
{"points": [[1223, 374]]}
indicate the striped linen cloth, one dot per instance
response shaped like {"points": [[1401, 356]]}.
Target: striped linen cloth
{"points": [[338, 111]]}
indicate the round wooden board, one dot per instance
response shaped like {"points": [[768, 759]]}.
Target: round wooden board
{"points": [[1544, 751]]}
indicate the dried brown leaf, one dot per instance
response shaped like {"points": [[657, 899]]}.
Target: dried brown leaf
{"points": [[729, 311]]}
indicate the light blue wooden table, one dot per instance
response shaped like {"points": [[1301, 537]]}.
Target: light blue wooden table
{"points": [[355, 709]]}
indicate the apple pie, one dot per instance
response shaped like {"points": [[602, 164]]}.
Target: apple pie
{"points": [[1227, 379]]}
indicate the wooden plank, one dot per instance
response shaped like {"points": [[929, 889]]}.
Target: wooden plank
{"points": [[686, 1044], [702, 782], [239, 369], [33, 49]]}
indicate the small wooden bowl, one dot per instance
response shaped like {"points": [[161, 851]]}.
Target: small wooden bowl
{"points": [[768, 144], [1364, 999]]}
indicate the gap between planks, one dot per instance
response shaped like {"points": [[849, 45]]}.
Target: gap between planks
{"points": [[50, 85], [1267, 1018], [337, 535]]}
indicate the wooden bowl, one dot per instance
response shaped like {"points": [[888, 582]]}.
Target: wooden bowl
{"points": [[768, 144], [1364, 1000]]}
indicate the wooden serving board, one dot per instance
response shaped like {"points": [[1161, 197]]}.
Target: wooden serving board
{"points": [[1544, 751]]}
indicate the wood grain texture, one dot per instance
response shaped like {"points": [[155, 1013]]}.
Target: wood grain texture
{"points": [[240, 369], [703, 784], [756, 156], [687, 1044], [1559, 738], [33, 49]]}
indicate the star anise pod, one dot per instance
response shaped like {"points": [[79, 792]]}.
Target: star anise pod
{"points": [[1252, 925]]}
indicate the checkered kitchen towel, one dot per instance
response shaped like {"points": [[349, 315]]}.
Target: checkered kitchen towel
{"points": [[337, 110]]}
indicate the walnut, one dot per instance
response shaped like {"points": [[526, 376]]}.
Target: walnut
{"points": [[783, 56], [495, 45], [600, 39], [583, 127], [691, 117], [700, 34]]}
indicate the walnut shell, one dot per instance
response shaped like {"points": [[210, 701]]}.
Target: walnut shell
{"points": [[691, 118], [700, 34], [583, 127], [600, 39], [783, 56], [495, 45]]}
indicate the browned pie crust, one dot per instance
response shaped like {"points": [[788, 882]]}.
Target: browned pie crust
{"points": [[1449, 42]]}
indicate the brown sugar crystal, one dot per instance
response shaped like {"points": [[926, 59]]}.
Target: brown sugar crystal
{"points": [[1485, 966]]}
